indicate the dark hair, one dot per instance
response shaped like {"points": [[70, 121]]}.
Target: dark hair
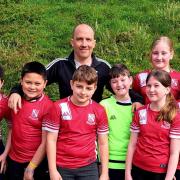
{"points": [[117, 70], [34, 67], [1, 73], [85, 73], [169, 110]]}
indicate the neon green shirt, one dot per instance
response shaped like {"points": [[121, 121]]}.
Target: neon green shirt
{"points": [[119, 119]]}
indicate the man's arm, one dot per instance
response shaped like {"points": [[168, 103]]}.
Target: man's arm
{"points": [[104, 155]]}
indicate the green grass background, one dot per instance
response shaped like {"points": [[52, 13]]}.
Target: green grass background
{"points": [[41, 30]]}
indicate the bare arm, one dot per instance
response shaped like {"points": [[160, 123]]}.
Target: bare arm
{"points": [[104, 155], [130, 153], [6, 151], [51, 154], [173, 159], [37, 158]]}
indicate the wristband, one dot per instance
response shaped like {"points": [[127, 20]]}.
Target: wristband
{"points": [[32, 165]]}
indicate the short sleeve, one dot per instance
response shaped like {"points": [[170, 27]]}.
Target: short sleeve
{"points": [[175, 127], [52, 122], [135, 127], [102, 122]]}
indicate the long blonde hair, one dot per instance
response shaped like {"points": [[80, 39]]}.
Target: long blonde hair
{"points": [[169, 110]]}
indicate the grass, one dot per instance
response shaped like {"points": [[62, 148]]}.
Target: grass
{"points": [[41, 30]]}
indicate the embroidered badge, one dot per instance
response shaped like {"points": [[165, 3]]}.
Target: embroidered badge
{"points": [[174, 82], [91, 119], [142, 78], [166, 125], [34, 114]]}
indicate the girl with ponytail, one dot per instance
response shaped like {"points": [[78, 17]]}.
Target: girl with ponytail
{"points": [[154, 146]]}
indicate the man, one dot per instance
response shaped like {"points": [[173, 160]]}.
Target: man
{"points": [[60, 70]]}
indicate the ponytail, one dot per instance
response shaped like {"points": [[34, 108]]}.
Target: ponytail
{"points": [[169, 110]]}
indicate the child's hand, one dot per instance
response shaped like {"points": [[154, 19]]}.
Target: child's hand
{"points": [[55, 175], [3, 163], [104, 177], [14, 102], [135, 106], [28, 174]]}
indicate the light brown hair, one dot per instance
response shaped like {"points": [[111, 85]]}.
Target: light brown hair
{"points": [[85, 73], [169, 110]]}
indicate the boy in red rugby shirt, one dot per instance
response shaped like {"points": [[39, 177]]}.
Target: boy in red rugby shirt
{"points": [[28, 138], [76, 123], [4, 113]]}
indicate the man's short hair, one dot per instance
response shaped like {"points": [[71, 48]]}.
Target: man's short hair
{"points": [[117, 70], [85, 73], [34, 67]]}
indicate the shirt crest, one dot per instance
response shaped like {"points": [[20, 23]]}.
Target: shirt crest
{"points": [[91, 119], [34, 114]]}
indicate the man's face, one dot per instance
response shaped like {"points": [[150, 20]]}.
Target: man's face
{"points": [[83, 42]]}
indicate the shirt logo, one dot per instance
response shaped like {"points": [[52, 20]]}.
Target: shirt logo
{"points": [[91, 119], [142, 78], [34, 114], [165, 125], [113, 117], [143, 116], [65, 111], [174, 82]]}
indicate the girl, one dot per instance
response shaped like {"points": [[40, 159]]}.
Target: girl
{"points": [[155, 133], [4, 113], [161, 54]]}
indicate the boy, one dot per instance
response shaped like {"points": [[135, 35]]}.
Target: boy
{"points": [[119, 111], [4, 113], [75, 124], [28, 136]]}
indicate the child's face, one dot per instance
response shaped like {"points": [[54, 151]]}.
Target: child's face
{"points": [[33, 85], [1, 83], [82, 92], [161, 56], [121, 85], [155, 91]]}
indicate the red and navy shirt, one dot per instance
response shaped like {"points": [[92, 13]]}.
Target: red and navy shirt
{"points": [[139, 84], [153, 144], [77, 128], [27, 126]]}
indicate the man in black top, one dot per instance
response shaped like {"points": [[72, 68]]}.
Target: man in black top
{"points": [[61, 70]]}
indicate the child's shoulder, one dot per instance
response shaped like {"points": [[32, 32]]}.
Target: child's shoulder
{"points": [[142, 108], [109, 98], [145, 72], [3, 97]]}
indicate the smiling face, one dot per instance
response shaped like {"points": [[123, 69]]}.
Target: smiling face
{"points": [[82, 92], [161, 55], [120, 86], [156, 92], [83, 42], [33, 85]]}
